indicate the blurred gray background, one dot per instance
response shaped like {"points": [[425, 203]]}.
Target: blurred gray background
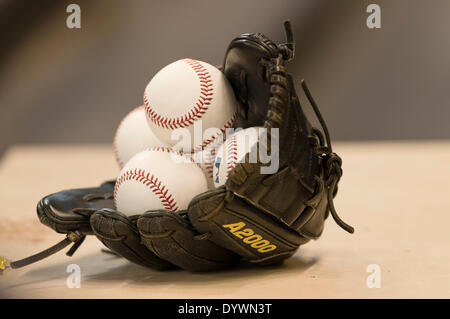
{"points": [[60, 85]]}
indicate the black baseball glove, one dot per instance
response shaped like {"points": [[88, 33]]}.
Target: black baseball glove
{"points": [[255, 217]]}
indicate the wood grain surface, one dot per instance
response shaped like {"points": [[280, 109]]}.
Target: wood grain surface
{"points": [[394, 193]]}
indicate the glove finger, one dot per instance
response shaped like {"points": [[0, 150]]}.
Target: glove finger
{"points": [[69, 210], [118, 232], [244, 229], [171, 237]]}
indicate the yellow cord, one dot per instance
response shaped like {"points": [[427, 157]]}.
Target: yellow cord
{"points": [[4, 263]]}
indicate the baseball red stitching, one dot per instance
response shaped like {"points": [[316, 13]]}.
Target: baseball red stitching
{"points": [[231, 153], [164, 149], [222, 132], [197, 111], [116, 149], [210, 164], [151, 182], [188, 156]]}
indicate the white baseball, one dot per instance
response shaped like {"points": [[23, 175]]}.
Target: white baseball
{"points": [[187, 93], [205, 160], [233, 151], [158, 178], [133, 135]]}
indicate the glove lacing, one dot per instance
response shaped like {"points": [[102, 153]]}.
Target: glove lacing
{"points": [[331, 161]]}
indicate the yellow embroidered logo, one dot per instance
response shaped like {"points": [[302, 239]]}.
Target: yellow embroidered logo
{"points": [[249, 237]]}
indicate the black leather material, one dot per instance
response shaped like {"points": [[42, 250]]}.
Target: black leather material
{"points": [[69, 210], [172, 237], [243, 66], [120, 234], [288, 194], [231, 221]]}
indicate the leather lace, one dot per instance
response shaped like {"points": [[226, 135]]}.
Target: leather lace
{"points": [[332, 162], [75, 237]]}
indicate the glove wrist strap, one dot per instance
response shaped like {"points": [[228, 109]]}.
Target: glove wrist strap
{"points": [[74, 237]]}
